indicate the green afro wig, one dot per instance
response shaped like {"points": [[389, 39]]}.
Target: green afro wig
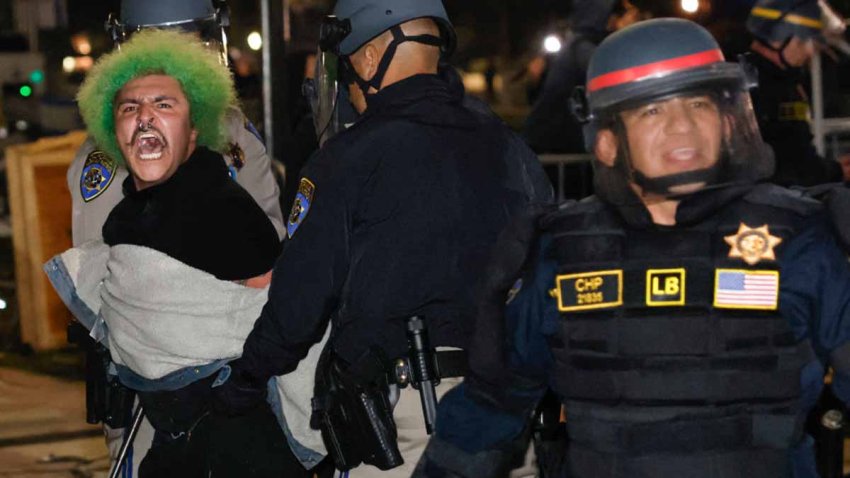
{"points": [[206, 83]]}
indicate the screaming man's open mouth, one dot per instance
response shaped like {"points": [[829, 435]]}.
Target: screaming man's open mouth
{"points": [[150, 146]]}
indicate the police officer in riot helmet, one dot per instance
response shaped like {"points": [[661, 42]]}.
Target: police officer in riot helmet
{"points": [[94, 180], [685, 315], [389, 227], [785, 36]]}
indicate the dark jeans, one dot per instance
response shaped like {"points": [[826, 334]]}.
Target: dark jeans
{"points": [[251, 445]]}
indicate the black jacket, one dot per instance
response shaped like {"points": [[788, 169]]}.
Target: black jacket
{"points": [[782, 109], [199, 216], [405, 206]]}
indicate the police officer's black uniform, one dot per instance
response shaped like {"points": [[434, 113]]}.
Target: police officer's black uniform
{"points": [[782, 110], [394, 218]]}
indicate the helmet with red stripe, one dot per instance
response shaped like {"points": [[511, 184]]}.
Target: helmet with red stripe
{"points": [[653, 62]]}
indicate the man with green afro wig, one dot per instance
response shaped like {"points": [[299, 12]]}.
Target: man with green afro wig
{"points": [[158, 106], [204, 80]]}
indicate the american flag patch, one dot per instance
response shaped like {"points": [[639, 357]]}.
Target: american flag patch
{"points": [[746, 289]]}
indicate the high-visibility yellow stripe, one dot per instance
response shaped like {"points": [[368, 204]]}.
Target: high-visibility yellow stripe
{"points": [[773, 14]]}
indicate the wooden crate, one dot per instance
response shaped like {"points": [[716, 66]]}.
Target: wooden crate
{"points": [[41, 228]]}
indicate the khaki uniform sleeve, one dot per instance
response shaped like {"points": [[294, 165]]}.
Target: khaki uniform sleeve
{"points": [[88, 216], [256, 175]]}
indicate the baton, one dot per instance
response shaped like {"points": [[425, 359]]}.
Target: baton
{"points": [[422, 366], [138, 415]]}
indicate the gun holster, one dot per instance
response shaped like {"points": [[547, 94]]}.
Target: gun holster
{"points": [[355, 418], [107, 400]]}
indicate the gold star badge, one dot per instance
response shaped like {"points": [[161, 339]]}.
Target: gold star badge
{"points": [[752, 244]]}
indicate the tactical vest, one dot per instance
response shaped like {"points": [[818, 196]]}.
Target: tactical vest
{"points": [[673, 359]]}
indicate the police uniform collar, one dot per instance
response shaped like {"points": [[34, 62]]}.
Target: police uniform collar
{"points": [[410, 90], [204, 167]]}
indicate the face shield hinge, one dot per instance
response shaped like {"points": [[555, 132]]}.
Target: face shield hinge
{"points": [[751, 73], [222, 16], [579, 106], [114, 28], [332, 32]]}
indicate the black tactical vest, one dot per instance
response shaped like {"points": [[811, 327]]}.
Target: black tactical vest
{"points": [[673, 359]]}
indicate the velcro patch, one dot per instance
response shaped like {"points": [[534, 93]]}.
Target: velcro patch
{"points": [[746, 289], [589, 290], [665, 287], [301, 206], [97, 175]]}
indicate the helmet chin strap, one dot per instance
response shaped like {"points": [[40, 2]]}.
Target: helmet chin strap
{"points": [[398, 38], [663, 185], [780, 51]]}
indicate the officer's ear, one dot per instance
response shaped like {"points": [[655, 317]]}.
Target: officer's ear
{"points": [[605, 148]]}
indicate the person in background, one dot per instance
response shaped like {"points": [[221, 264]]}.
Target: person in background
{"points": [[785, 36]]}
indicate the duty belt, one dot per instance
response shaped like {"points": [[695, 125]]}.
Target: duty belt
{"points": [[449, 363]]}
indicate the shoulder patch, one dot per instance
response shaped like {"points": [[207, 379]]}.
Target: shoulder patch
{"points": [[97, 175], [301, 206], [237, 158]]}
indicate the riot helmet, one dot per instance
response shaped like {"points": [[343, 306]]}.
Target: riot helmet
{"points": [[670, 76], [780, 20], [193, 16], [353, 24]]}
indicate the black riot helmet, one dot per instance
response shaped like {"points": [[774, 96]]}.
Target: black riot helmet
{"points": [[649, 64], [198, 16]]}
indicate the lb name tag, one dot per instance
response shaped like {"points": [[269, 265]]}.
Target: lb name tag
{"points": [[665, 287], [589, 290]]}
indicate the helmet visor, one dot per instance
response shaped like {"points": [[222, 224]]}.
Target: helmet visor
{"points": [[322, 92], [676, 143]]}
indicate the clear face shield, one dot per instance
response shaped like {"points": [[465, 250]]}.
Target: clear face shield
{"points": [[699, 134], [325, 92], [210, 31]]}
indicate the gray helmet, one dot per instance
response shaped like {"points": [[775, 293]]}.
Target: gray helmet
{"points": [[780, 20], [370, 18], [188, 15], [656, 60]]}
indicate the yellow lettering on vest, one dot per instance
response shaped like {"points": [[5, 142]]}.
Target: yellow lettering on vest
{"points": [[590, 283], [671, 286]]}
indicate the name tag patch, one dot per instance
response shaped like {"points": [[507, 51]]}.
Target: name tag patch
{"points": [[589, 290], [665, 287], [746, 289]]}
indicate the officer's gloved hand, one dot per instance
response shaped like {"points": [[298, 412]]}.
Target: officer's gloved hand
{"points": [[240, 393]]}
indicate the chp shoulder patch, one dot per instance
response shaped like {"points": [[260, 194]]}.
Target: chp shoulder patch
{"points": [[237, 159], [97, 175], [301, 206], [589, 290]]}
